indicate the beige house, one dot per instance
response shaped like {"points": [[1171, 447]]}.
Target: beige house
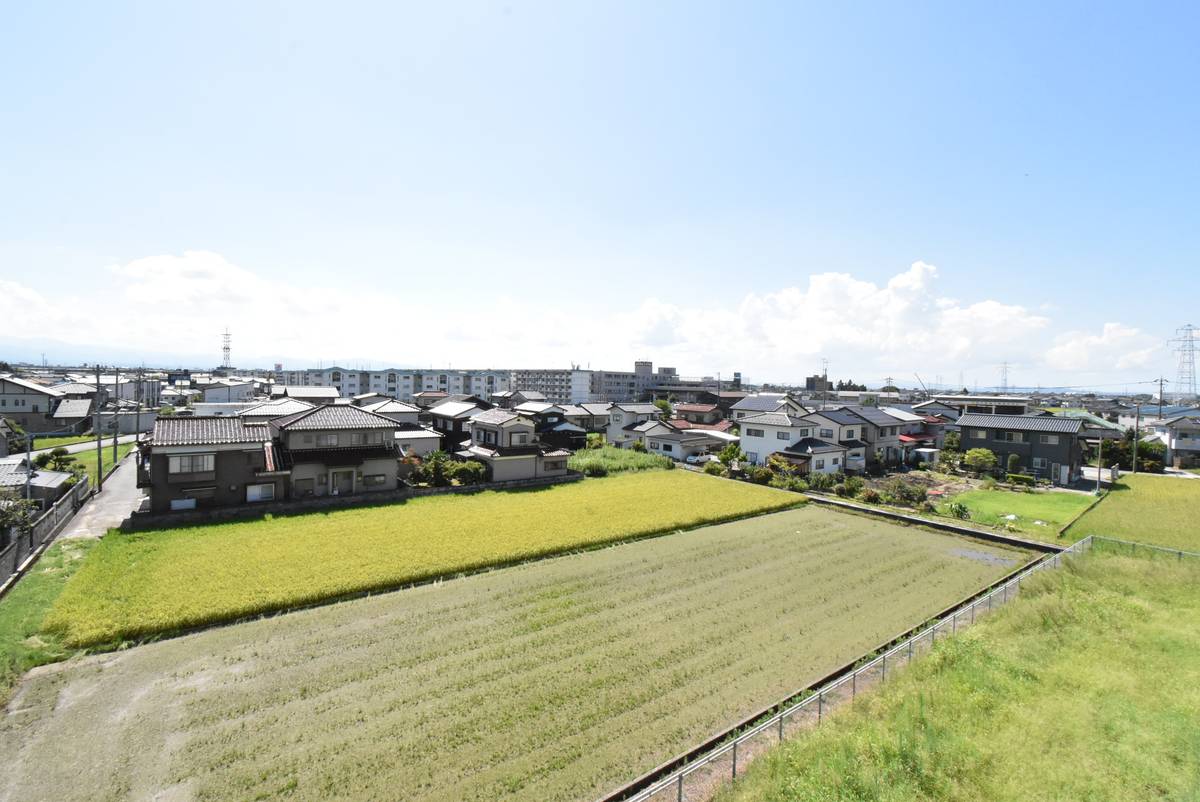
{"points": [[624, 420], [508, 444], [337, 450]]}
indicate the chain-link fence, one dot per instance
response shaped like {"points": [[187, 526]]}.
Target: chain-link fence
{"points": [[699, 778]]}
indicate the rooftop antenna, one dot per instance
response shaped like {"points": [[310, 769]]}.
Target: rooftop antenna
{"points": [[226, 341], [1185, 380]]}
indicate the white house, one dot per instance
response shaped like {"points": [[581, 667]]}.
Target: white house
{"points": [[765, 402], [846, 429], [1181, 436], [623, 420]]}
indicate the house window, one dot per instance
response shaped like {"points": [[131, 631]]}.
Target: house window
{"points": [[820, 464], [264, 492], [1049, 439], [616, 417], [357, 438], [374, 480], [326, 440], [192, 463], [668, 447], [849, 434], [1039, 463], [1010, 437], [783, 435], [754, 432], [654, 445], [979, 434], [519, 438], [836, 460], [804, 432], [376, 438], [827, 432]]}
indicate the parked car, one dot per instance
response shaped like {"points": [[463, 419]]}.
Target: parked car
{"points": [[700, 459]]}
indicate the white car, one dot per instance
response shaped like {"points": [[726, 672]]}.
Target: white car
{"points": [[700, 459]]}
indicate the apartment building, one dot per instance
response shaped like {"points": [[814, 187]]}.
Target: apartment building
{"points": [[400, 383], [567, 386]]}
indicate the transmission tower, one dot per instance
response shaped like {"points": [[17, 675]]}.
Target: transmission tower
{"points": [[1185, 380], [226, 341], [1004, 378]]}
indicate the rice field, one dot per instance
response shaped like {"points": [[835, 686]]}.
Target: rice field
{"points": [[1087, 687], [1161, 510], [551, 681], [135, 585]]}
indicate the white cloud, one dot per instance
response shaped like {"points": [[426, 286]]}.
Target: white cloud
{"points": [[180, 304]]}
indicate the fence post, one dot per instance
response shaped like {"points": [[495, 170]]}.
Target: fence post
{"points": [[854, 684], [954, 624], [735, 743], [679, 794], [820, 705], [781, 727], [884, 667]]}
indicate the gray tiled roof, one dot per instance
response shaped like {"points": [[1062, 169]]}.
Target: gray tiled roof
{"points": [[202, 431], [277, 408], [73, 408], [760, 403], [455, 409], [775, 419], [813, 445], [390, 405], [1020, 423], [496, 417], [637, 409], [343, 416], [871, 415]]}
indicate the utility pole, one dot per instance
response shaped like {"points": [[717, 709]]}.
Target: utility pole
{"points": [[28, 464], [1099, 464], [99, 435], [116, 412], [1137, 422], [1161, 381], [824, 382]]}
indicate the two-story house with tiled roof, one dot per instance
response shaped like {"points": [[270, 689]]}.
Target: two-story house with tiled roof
{"points": [[507, 442], [765, 402], [794, 438], [624, 419], [881, 433], [28, 404], [846, 429], [1046, 446], [337, 450]]}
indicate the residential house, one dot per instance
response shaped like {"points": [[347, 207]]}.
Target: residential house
{"points": [[591, 417], [679, 445], [277, 408], [198, 462], [946, 411], [917, 432], [396, 410], [28, 404], [414, 440], [507, 442], [551, 424], [843, 427], [313, 395], [229, 391], [697, 413], [769, 432], [451, 419], [624, 419], [985, 404], [73, 414], [881, 433], [1046, 447], [337, 450], [765, 402], [1181, 437], [1146, 412], [45, 486]]}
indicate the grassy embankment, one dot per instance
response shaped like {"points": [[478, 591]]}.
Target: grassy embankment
{"points": [[23, 645], [1053, 508], [1161, 510], [1088, 687], [135, 585]]}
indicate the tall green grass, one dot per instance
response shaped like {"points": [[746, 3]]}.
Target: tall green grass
{"points": [[1053, 508], [609, 459], [1087, 687]]}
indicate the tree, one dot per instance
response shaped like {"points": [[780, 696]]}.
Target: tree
{"points": [[665, 406], [1014, 463], [60, 459], [639, 446], [952, 442], [42, 460], [731, 454], [15, 511], [980, 460]]}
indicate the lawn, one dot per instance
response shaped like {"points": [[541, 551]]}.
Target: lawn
{"points": [[1088, 688], [55, 442], [151, 582], [22, 644], [1148, 509], [1053, 508], [552, 681], [610, 459], [88, 459]]}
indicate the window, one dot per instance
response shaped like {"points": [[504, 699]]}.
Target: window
{"points": [[256, 493], [754, 432], [836, 460], [1010, 437], [1049, 439], [357, 438], [668, 447], [849, 434], [554, 465], [374, 480], [827, 432], [616, 417], [1039, 463], [820, 464], [805, 432], [192, 463], [978, 434], [654, 445], [519, 438], [326, 440], [783, 435], [376, 438]]}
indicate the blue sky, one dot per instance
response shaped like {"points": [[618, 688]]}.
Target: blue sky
{"points": [[717, 187]]}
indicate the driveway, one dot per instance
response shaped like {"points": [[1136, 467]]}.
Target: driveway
{"points": [[107, 509]]}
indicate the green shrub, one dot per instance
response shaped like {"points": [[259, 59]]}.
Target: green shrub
{"points": [[869, 495], [639, 446], [1021, 479], [821, 481], [468, 472], [956, 509], [1013, 463], [989, 483], [595, 469], [841, 490], [854, 485], [760, 474], [980, 460], [595, 440], [714, 469]]}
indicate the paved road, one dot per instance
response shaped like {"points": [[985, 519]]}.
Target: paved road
{"points": [[106, 510], [75, 448]]}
